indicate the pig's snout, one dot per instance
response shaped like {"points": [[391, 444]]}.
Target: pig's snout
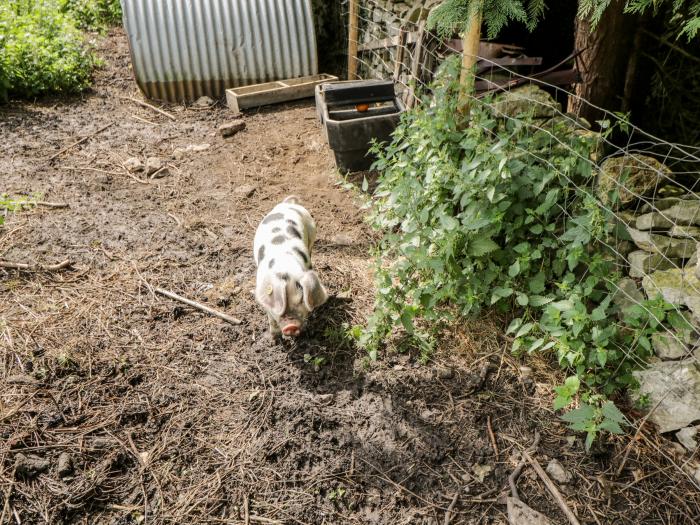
{"points": [[291, 330]]}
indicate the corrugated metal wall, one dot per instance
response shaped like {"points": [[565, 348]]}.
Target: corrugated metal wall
{"points": [[183, 49]]}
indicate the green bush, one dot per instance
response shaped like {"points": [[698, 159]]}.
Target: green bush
{"points": [[94, 14], [41, 50], [502, 215]]}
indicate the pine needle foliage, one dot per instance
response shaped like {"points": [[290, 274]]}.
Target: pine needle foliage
{"points": [[452, 16], [684, 13]]}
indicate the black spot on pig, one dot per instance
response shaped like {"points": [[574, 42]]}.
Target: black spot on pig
{"points": [[261, 253], [279, 239], [291, 230], [273, 217]]}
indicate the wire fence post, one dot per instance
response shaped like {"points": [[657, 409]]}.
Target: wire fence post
{"points": [[353, 33], [470, 52]]}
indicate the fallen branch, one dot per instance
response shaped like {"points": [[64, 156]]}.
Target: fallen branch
{"points": [[246, 510], [199, 306], [513, 478], [553, 490], [76, 143], [52, 204], [151, 107], [36, 267], [492, 436], [448, 512]]}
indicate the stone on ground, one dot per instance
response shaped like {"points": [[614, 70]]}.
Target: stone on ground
{"points": [[521, 514], [631, 176], [668, 345], [231, 128], [153, 164], [643, 263], [673, 390], [654, 243], [687, 437], [557, 471], [627, 295], [685, 212], [677, 286], [133, 164], [685, 232], [203, 102], [653, 221]]}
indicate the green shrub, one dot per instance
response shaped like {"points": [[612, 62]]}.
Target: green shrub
{"points": [[94, 14], [502, 215], [41, 50]]}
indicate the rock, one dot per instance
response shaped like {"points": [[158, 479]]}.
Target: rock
{"points": [[231, 128], [29, 467], [685, 232], [693, 261], [558, 472], [631, 176], [445, 373], [153, 164], [203, 102], [668, 345], [653, 221], [677, 286], [626, 217], [684, 212], [643, 263], [526, 100], [686, 437], [246, 190], [673, 387], [627, 295], [181, 153], [521, 514], [668, 246], [133, 164], [659, 204], [65, 465]]}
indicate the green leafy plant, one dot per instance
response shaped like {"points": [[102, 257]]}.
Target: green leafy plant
{"points": [[503, 215], [41, 50], [12, 204], [94, 14], [452, 16]]}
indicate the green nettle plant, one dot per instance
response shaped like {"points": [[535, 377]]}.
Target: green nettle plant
{"points": [[501, 214], [94, 14], [41, 50]]}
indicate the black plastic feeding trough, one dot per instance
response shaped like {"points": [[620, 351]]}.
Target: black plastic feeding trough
{"points": [[353, 114]]}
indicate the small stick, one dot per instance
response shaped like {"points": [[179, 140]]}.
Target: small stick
{"points": [[86, 168], [260, 519], [492, 435], [36, 267], [513, 478], [246, 510], [448, 513], [52, 204], [144, 120], [199, 306], [79, 141], [552, 489], [149, 106]]}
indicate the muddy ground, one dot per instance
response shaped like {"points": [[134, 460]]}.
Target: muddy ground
{"points": [[118, 406]]}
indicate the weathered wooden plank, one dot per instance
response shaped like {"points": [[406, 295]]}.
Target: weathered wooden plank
{"points": [[274, 92]]}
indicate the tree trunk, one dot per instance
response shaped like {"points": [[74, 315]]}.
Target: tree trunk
{"points": [[603, 64]]}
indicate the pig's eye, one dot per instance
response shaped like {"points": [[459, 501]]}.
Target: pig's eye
{"points": [[299, 287]]}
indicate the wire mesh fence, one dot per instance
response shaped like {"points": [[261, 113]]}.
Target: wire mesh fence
{"points": [[645, 185]]}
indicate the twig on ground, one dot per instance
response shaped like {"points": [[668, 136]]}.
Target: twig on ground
{"points": [[52, 204], [87, 168], [553, 490], [78, 142], [199, 306], [513, 478], [492, 436], [144, 120], [36, 267], [151, 107], [246, 509], [448, 512], [260, 519]]}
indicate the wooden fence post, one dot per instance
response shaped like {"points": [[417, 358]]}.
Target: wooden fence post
{"points": [[353, 35], [470, 52]]}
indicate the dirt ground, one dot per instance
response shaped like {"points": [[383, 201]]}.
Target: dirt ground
{"points": [[118, 406]]}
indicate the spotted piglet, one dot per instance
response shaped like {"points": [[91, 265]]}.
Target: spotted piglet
{"points": [[287, 288]]}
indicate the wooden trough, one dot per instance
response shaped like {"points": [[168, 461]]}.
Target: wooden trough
{"points": [[274, 92]]}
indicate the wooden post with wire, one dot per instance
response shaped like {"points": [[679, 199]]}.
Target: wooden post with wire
{"points": [[353, 35], [470, 55]]}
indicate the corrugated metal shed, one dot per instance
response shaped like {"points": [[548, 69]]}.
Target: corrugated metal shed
{"points": [[184, 49]]}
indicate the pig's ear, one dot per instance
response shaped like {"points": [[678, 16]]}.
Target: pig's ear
{"points": [[271, 295], [314, 292]]}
